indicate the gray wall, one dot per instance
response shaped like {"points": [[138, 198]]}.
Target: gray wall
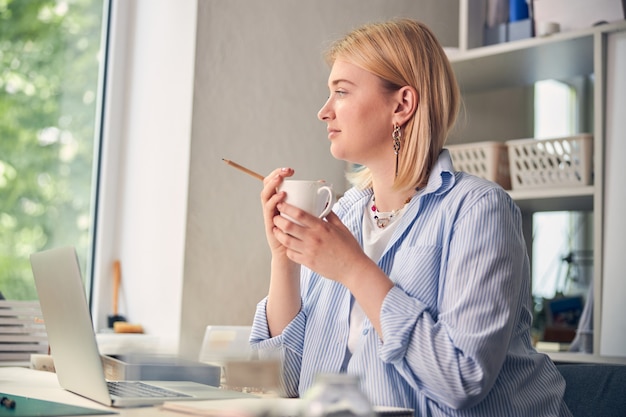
{"points": [[259, 82], [495, 115]]}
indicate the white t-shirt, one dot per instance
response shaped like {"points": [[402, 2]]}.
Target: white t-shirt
{"points": [[375, 241]]}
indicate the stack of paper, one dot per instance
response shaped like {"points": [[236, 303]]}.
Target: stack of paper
{"points": [[259, 407]]}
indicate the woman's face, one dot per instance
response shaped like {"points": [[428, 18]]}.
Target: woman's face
{"points": [[359, 116]]}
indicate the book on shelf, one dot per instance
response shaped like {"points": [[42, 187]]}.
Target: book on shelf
{"points": [[544, 346]]}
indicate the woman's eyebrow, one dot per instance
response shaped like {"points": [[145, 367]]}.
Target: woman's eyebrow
{"points": [[339, 81]]}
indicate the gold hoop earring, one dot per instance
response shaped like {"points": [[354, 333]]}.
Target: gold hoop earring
{"points": [[396, 136]]}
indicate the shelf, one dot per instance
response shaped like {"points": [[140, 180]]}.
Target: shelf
{"points": [[524, 62], [500, 70], [554, 199], [572, 357]]}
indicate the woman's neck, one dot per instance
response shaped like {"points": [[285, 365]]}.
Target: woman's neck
{"points": [[389, 199]]}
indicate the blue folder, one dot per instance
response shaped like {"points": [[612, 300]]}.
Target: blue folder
{"points": [[31, 407]]}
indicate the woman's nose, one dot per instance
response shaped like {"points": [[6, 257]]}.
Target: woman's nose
{"points": [[324, 113]]}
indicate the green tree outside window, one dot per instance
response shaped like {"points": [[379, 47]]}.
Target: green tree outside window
{"points": [[50, 58]]}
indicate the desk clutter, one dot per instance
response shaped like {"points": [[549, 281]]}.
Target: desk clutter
{"points": [[262, 407], [525, 164], [116, 321], [110, 343], [228, 348], [141, 367], [146, 367], [18, 406], [22, 331]]}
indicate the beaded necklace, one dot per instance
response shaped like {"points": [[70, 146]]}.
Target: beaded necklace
{"points": [[383, 221]]}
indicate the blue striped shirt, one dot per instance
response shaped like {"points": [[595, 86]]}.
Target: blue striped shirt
{"points": [[456, 324]]}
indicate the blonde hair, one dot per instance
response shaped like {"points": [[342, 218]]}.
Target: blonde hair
{"points": [[405, 52]]}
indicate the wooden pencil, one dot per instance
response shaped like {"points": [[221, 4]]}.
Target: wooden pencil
{"points": [[244, 169]]}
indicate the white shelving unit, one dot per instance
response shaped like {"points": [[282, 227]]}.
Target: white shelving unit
{"points": [[522, 63]]}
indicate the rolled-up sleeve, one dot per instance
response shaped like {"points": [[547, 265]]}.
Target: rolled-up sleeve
{"points": [[286, 347], [397, 330]]}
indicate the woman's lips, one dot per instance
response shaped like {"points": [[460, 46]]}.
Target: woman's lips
{"points": [[332, 133]]}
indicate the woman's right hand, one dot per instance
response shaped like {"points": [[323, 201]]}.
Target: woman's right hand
{"points": [[270, 197], [283, 299]]}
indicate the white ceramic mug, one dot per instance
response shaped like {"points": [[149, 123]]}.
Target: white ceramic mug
{"points": [[315, 197]]}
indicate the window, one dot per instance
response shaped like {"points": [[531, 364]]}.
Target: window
{"points": [[51, 66], [562, 246]]}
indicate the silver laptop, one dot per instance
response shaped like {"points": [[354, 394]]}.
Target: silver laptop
{"points": [[73, 342]]}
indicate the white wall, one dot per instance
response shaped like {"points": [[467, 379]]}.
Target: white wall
{"points": [[613, 332], [145, 162]]}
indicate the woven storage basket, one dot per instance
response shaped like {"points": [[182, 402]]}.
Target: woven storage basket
{"points": [[544, 163], [487, 160]]}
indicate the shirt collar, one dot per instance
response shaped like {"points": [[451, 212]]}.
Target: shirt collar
{"points": [[441, 178]]}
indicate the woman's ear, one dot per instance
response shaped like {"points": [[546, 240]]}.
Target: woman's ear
{"points": [[407, 99]]}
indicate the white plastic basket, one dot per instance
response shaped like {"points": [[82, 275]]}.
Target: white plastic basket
{"points": [[544, 163], [487, 160]]}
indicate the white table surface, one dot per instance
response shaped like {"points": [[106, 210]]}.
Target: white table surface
{"points": [[44, 385]]}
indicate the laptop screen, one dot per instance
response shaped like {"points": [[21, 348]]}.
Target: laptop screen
{"points": [[68, 323]]}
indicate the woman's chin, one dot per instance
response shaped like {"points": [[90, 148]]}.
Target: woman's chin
{"points": [[338, 153], [335, 152]]}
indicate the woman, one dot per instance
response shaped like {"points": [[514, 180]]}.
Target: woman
{"points": [[418, 281]]}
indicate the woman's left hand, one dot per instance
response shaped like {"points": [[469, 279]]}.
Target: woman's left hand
{"points": [[324, 246]]}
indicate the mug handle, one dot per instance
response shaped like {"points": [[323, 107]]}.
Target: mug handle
{"points": [[329, 200]]}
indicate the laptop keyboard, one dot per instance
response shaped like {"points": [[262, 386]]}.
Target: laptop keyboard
{"points": [[134, 389]]}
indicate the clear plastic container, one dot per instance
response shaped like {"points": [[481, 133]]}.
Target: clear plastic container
{"points": [[336, 395]]}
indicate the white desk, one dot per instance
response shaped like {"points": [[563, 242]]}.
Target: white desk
{"points": [[45, 386]]}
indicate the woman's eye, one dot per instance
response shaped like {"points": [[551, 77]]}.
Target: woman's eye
{"points": [[340, 93]]}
